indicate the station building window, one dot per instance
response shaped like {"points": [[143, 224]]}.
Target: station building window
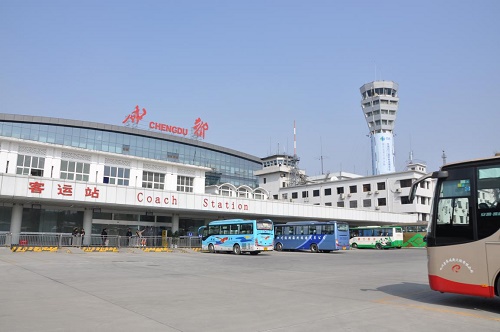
{"points": [[74, 170], [153, 180], [353, 189], [29, 165], [116, 175], [185, 183]]}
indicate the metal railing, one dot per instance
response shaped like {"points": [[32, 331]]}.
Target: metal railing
{"points": [[96, 240]]}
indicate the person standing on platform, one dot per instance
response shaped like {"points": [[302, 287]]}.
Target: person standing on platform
{"points": [[104, 236]]}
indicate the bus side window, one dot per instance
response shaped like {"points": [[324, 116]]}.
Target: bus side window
{"points": [[234, 229], [246, 229]]}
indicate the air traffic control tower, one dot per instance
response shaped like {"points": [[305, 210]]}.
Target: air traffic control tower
{"points": [[380, 105]]}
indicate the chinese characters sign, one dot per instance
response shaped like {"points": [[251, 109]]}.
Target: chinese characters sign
{"points": [[135, 116], [199, 128], [62, 190]]}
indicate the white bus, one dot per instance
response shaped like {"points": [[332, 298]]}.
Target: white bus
{"points": [[376, 237]]}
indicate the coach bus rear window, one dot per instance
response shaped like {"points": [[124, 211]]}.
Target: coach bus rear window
{"points": [[342, 227], [264, 225]]}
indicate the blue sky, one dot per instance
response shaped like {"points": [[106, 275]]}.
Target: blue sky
{"points": [[251, 68]]}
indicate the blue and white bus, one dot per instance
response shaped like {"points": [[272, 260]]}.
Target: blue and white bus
{"points": [[317, 236], [238, 235]]}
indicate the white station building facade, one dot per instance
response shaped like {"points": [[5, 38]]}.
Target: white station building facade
{"points": [[57, 174]]}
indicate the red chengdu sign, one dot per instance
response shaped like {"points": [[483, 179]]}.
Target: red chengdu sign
{"points": [[199, 128]]}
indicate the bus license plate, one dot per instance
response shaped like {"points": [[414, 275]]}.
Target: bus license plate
{"points": [[265, 249], [343, 248]]}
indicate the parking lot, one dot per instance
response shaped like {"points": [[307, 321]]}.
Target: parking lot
{"points": [[192, 291]]}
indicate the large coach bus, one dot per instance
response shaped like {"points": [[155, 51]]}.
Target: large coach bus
{"points": [[376, 237], [315, 236], [238, 236], [463, 239]]}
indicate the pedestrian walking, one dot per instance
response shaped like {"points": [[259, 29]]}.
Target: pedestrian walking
{"points": [[129, 236], [141, 239], [82, 235]]}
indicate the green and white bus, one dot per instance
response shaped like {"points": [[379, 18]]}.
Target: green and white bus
{"points": [[376, 237]]}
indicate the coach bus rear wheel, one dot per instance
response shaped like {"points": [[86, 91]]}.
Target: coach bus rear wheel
{"points": [[236, 249], [314, 247], [354, 245], [279, 246], [211, 248], [498, 286], [378, 246]]}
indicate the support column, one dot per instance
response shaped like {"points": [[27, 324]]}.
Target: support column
{"points": [[175, 223], [87, 226], [15, 222]]}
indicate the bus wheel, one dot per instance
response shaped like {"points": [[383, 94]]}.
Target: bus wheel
{"points": [[314, 247], [378, 246], [354, 245], [236, 249], [498, 285], [211, 248], [279, 246]]}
